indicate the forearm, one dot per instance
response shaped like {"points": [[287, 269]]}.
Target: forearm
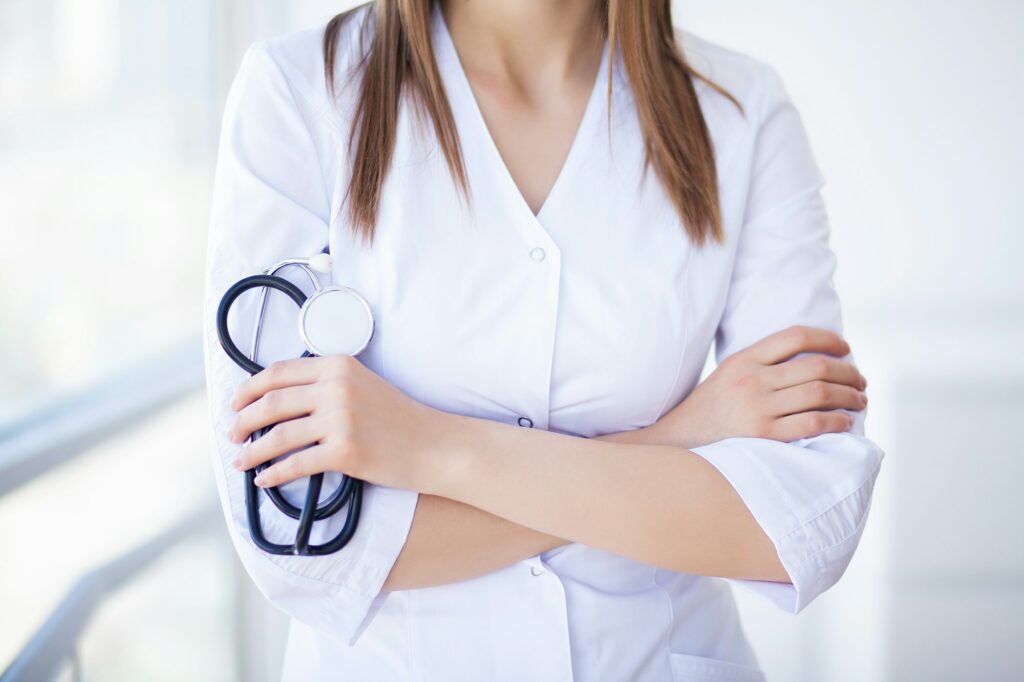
{"points": [[450, 541], [657, 504]]}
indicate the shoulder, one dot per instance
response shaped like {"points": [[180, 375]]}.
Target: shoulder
{"points": [[764, 151], [767, 118], [293, 64], [755, 85], [743, 76]]}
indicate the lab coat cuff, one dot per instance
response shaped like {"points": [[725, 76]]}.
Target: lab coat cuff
{"points": [[814, 539], [349, 583], [392, 511]]}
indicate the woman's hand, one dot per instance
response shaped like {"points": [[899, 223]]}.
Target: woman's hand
{"points": [[764, 391], [356, 422]]}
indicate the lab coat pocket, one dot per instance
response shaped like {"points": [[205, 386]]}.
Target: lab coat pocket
{"points": [[688, 668]]}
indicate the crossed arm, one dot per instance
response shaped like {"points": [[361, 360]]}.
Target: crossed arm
{"points": [[493, 494], [451, 541]]}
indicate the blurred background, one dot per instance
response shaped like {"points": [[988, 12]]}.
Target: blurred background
{"points": [[109, 116]]}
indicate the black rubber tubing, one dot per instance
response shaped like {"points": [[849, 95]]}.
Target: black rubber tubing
{"points": [[349, 490]]}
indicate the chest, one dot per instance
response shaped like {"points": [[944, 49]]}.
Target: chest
{"points": [[595, 315], [532, 134]]}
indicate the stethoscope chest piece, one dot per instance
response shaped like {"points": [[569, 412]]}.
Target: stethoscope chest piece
{"points": [[336, 320]]}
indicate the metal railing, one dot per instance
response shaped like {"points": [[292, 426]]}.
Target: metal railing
{"points": [[61, 430], [55, 642], [58, 433]]}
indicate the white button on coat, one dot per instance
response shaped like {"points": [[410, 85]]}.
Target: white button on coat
{"points": [[612, 332]]}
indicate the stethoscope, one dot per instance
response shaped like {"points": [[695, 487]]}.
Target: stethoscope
{"points": [[333, 320]]}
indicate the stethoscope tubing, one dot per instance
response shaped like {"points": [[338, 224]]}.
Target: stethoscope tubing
{"points": [[349, 490], [237, 289]]}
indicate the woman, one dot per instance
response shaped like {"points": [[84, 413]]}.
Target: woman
{"points": [[553, 210]]}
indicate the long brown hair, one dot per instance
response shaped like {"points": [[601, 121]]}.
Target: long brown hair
{"points": [[676, 139]]}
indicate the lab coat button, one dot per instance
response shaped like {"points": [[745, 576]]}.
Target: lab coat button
{"points": [[525, 421], [537, 255], [536, 571]]}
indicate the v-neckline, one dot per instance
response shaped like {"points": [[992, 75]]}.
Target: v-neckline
{"points": [[446, 47]]}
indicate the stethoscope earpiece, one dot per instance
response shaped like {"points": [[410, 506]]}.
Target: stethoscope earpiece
{"points": [[321, 262]]}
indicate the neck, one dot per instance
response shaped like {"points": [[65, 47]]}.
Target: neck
{"points": [[526, 41]]}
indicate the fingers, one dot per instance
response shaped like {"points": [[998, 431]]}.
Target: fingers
{"points": [[816, 367], [279, 375], [314, 460], [783, 345], [280, 440], [817, 395], [275, 406], [808, 424]]}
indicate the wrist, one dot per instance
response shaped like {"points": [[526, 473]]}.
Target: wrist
{"points": [[671, 429], [452, 455], [656, 434], [645, 435]]}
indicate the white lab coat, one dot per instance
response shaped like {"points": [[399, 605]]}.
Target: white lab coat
{"points": [[594, 316]]}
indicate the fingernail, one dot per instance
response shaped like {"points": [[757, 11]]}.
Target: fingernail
{"points": [[261, 479], [863, 398], [232, 435], [237, 463]]}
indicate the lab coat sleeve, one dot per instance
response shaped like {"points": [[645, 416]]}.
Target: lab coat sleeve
{"points": [[810, 496], [270, 203]]}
